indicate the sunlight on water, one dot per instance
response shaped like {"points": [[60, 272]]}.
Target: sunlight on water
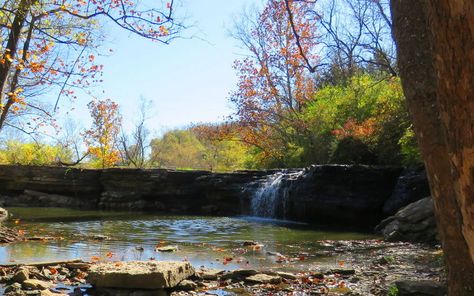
{"points": [[133, 236]]}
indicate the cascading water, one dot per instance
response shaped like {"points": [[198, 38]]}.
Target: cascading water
{"points": [[271, 198]]}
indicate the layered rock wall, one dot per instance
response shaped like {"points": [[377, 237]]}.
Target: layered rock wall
{"points": [[330, 194]]}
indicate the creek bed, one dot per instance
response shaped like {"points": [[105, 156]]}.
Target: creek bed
{"points": [[222, 243], [204, 241]]}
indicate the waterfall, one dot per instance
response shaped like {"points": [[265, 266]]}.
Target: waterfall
{"points": [[271, 198]]}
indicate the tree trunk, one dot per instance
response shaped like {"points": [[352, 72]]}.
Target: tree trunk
{"points": [[436, 60]]}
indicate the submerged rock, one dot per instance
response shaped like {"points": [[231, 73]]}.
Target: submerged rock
{"points": [[139, 274], [99, 237], [167, 249], [238, 274]]}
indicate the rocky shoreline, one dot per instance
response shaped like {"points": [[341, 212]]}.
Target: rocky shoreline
{"points": [[363, 268]]}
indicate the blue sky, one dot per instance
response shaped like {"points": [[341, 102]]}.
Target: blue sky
{"points": [[188, 81]]}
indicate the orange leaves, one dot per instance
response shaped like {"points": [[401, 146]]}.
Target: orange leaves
{"points": [[81, 275], [354, 129], [36, 67], [163, 31], [227, 260], [95, 258], [273, 85], [53, 270], [102, 136]]}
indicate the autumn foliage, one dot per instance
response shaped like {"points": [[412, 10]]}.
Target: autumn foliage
{"points": [[101, 138], [292, 107], [273, 84], [48, 49]]}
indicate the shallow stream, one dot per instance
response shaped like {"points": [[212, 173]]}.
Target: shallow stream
{"points": [[216, 242]]}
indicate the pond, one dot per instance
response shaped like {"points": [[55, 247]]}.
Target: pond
{"points": [[216, 242]]}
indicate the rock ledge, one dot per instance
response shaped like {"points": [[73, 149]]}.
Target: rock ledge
{"points": [[139, 274]]}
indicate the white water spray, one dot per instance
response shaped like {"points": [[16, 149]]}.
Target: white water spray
{"points": [[270, 200]]}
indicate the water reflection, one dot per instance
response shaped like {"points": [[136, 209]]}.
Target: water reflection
{"points": [[201, 240]]}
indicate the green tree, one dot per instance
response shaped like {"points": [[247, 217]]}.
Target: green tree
{"points": [[367, 109], [33, 153], [179, 149]]}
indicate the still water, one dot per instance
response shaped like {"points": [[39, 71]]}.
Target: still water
{"points": [[204, 241]]}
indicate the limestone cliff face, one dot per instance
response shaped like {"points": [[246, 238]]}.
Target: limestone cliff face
{"points": [[171, 191], [329, 194]]}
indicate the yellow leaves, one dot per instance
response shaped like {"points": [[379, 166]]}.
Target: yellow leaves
{"points": [[101, 137], [64, 7], [31, 154], [36, 67], [164, 31], [8, 57]]}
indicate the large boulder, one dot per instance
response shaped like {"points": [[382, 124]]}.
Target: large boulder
{"points": [[413, 223], [139, 274], [411, 186], [420, 288]]}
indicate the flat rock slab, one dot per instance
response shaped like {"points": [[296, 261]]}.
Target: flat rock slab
{"points": [[36, 285], [139, 274], [263, 279], [210, 274]]}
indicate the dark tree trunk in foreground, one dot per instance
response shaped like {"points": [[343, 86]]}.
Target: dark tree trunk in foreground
{"points": [[435, 42]]}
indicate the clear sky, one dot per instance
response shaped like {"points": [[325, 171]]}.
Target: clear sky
{"points": [[188, 80]]}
